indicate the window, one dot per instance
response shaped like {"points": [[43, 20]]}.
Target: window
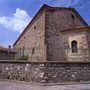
{"points": [[33, 50], [23, 49], [74, 47], [34, 27], [73, 17]]}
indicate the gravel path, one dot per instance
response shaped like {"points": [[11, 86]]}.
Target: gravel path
{"points": [[26, 86]]}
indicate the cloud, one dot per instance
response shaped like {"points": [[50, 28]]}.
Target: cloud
{"points": [[17, 22], [65, 3]]}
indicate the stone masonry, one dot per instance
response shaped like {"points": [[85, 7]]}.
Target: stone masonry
{"points": [[33, 41], [45, 72], [58, 20]]}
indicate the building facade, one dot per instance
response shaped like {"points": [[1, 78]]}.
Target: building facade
{"points": [[6, 53], [54, 34]]}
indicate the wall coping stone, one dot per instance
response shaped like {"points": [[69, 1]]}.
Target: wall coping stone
{"points": [[44, 62]]}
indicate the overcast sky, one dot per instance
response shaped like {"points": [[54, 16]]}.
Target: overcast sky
{"points": [[16, 14]]}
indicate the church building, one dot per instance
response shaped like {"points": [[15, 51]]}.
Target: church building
{"points": [[55, 34]]}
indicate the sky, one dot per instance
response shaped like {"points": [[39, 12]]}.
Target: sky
{"points": [[16, 14]]}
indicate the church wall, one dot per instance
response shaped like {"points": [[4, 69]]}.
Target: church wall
{"points": [[57, 20], [80, 37], [88, 38], [33, 41]]}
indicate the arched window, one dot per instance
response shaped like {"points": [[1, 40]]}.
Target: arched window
{"points": [[74, 46]]}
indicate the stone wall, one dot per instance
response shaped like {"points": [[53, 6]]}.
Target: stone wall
{"points": [[45, 72], [80, 36], [57, 20], [32, 43]]}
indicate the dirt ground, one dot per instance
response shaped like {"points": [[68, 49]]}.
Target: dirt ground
{"points": [[8, 85]]}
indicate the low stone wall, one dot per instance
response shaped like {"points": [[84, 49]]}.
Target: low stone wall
{"points": [[45, 72]]}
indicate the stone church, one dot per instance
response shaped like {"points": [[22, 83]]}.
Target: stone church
{"points": [[55, 34]]}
